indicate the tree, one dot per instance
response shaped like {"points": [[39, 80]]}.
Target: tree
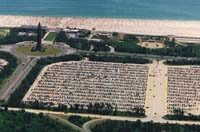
{"points": [[178, 112]]}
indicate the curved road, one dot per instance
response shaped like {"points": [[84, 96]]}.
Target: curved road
{"points": [[75, 127], [86, 126]]}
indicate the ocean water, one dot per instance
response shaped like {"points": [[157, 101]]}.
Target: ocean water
{"points": [[139, 9]]}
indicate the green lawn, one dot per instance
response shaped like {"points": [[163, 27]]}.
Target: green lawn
{"points": [[26, 49], [50, 37]]}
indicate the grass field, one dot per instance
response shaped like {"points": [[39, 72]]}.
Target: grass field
{"points": [[26, 49], [50, 37]]}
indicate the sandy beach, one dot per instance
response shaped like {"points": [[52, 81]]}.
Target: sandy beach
{"points": [[133, 26]]}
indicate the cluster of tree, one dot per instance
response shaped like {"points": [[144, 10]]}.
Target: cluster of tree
{"points": [[183, 51], [13, 36], [21, 121], [16, 97], [117, 58], [132, 47], [61, 37], [78, 120], [84, 44], [96, 108], [171, 50], [134, 112], [81, 44], [179, 114], [169, 43], [183, 62], [8, 69], [130, 38], [138, 126], [189, 117], [129, 45], [100, 46]]}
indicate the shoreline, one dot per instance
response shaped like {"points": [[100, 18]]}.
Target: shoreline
{"points": [[96, 17], [132, 26]]}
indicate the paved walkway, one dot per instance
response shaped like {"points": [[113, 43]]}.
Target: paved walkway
{"points": [[156, 94]]}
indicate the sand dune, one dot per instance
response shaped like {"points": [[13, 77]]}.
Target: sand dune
{"points": [[134, 26]]}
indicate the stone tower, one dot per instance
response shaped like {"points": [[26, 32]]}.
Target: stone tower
{"points": [[39, 37]]}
